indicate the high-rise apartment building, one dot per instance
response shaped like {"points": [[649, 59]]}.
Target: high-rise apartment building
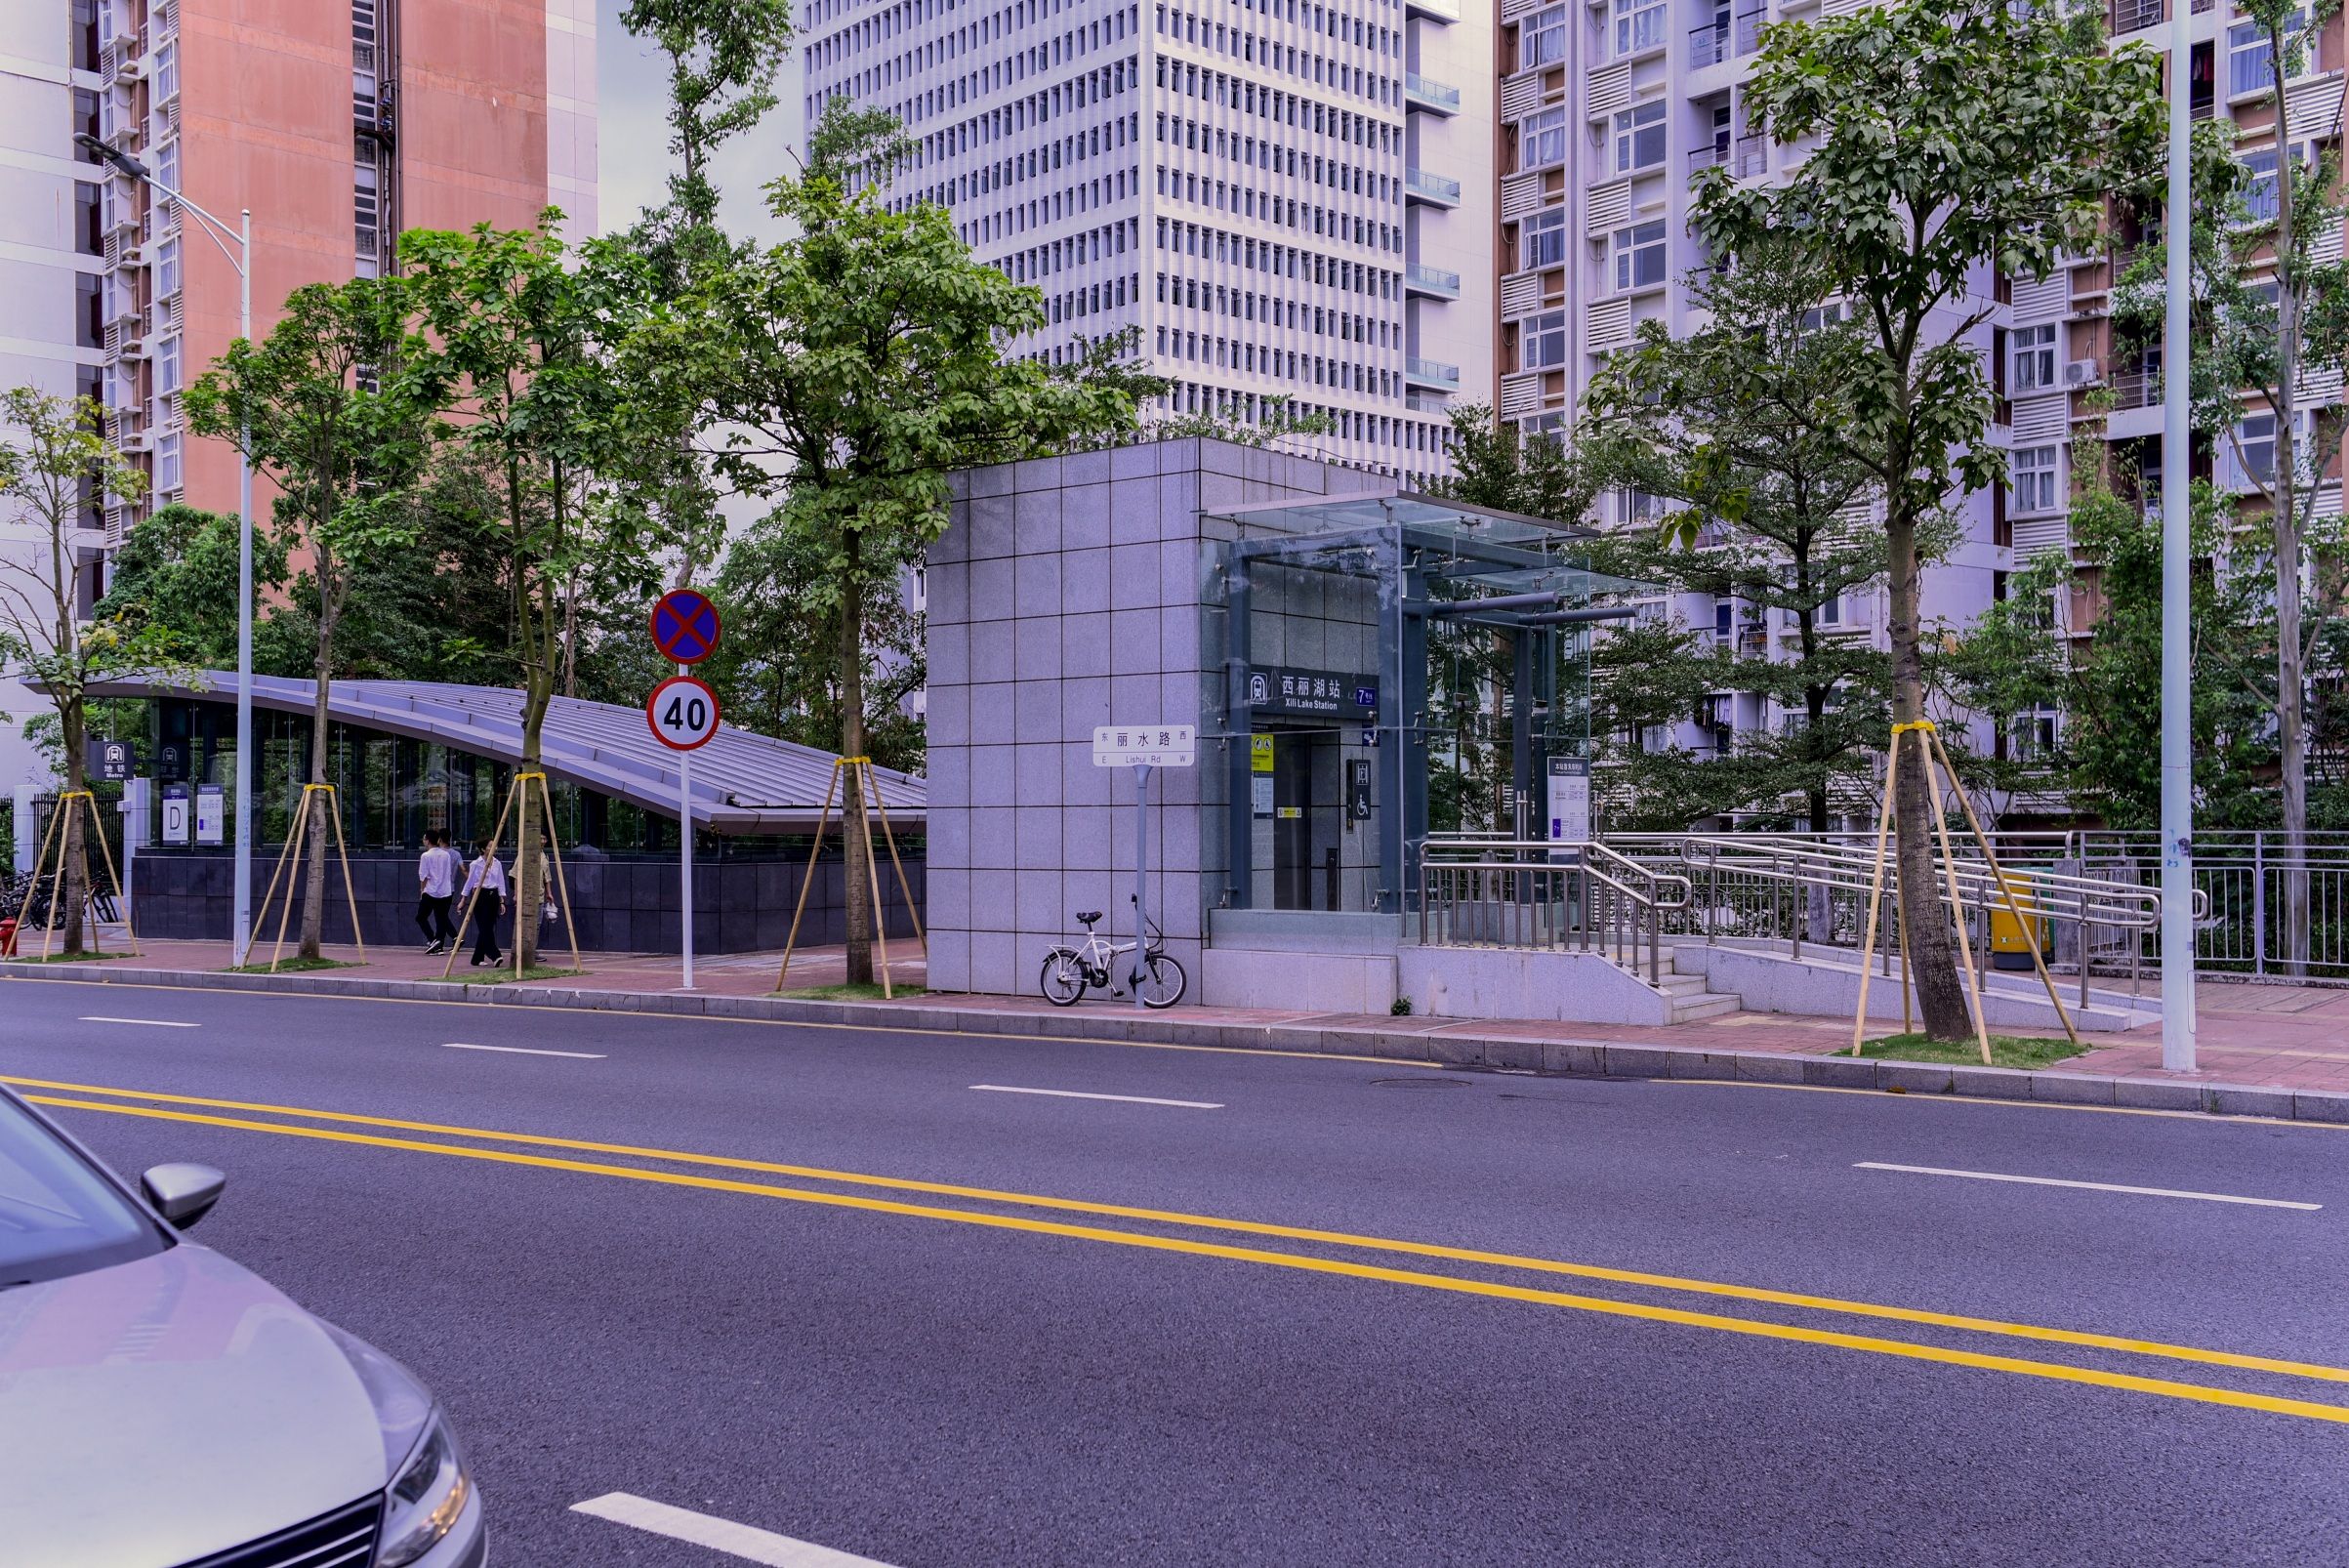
{"points": [[1288, 201], [336, 122]]}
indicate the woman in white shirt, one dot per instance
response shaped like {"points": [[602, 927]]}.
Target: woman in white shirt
{"points": [[487, 877]]}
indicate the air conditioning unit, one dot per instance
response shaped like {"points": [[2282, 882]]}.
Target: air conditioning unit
{"points": [[2083, 373]]}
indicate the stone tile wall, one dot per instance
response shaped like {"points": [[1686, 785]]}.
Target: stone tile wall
{"points": [[1066, 594]]}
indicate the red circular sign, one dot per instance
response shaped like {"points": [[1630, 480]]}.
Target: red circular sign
{"points": [[684, 626], [683, 713]]}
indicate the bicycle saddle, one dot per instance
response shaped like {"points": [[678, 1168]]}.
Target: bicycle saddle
{"points": [[1086, 917]]}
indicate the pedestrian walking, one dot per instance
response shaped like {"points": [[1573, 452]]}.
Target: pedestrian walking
{"points": [[437, 871], [485, 881]]}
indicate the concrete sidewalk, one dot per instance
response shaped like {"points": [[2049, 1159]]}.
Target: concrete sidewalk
{"points": [[2265, 1049]]}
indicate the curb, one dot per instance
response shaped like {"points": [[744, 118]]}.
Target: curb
{"points": [[1435, 1048]]}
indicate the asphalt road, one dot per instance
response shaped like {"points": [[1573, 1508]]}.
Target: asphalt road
{"points": [[1535, 1321]]}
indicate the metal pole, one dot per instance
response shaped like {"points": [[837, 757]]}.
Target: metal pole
{"points": [[244, 628], [2177, 739], [1141, 875], [684, 859]]}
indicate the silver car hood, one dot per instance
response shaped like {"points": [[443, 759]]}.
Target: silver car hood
{"points": [[162, 1409]]}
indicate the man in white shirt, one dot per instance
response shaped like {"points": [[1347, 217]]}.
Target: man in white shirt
{"points": [[436, 889], [485, 881]]}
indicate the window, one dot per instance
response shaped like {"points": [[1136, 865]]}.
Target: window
{"points": [[167, 164], [167, 463], [2034, 358], [85, 121], [1639, 26], [2259, 197], [89, 309], [89, 231], [1724, 619], [2034, 472], [1545, 239], [1638, 256], [1541, 38], [1542, 141], [1542, 342], [167, 365], [1639, 137], [2252, 65], [2256, 436], [167, 269], [167, 73]]}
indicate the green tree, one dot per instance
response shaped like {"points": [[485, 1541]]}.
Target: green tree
{"points": [[1940, 138], [1735, 437], [853, 368], [546, 416], [1500, 467], [176, 573], [722, 60], [334, 405], [52, 457]]}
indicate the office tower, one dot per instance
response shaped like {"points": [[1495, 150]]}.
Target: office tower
{"points": [[338, 122], [1284, 199]]}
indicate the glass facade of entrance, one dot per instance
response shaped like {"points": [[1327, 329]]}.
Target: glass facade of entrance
{"points": [[1383, 669]]}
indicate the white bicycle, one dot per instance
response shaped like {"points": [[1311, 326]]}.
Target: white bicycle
{"points": [[1070, 971]]}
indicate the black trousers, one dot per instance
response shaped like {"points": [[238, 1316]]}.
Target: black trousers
{"points": [[487, 908], [432, 916]]}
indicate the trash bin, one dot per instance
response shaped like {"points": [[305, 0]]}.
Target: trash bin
{"points": [[2009, 948]]}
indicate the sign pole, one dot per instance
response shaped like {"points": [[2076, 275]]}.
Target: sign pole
{"points": [[1141, 875], [684, 857]]}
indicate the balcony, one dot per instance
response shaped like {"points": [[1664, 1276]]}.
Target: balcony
{"points": [[1429, 189], [1753, 157], [1426, 405], [1430, 283], [1705, 157], [1708, 45], [1437, 97], [2137, 389], [2134, 15], [1431, 373], [1432, 10]]}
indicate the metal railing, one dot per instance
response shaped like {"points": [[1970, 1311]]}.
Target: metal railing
{"points": [[1541, 894], [2240, 878]]}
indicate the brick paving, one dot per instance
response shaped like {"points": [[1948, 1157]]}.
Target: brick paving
{"points": [[2278, 1036]]}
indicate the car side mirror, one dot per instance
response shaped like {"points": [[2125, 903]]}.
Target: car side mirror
{"points": [[182, 1193]]}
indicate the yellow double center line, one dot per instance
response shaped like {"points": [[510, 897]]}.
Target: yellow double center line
{"points": [[153, 1105]]}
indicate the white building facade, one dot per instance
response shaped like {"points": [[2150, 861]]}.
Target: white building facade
{"points": [[1288, 202]]}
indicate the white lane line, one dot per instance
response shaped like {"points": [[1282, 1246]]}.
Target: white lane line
{"points": [[152, 1023], [1124, 1099], [522, 1050], [719, 1535], [2090, 1187]]}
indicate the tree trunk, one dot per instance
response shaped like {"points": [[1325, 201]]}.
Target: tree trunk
{"points": [[316, 803], [856, 843], [2291, 696], [529, 864], [74, 723], [1932, 953]]}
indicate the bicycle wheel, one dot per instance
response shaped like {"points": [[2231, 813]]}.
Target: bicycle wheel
{"points": [[1063, 981], [1163, 984]]}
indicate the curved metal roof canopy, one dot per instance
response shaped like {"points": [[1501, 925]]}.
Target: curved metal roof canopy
{"points": [[743, 782]]}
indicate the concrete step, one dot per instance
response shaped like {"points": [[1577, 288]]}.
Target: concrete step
{"points": [[1708, 1004]]}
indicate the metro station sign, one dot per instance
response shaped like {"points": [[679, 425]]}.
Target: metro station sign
{"points": [[1318, 693]]}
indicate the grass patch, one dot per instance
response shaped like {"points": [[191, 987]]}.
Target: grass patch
{"points": [[502, 976], [2005, 1051], [62, 958], [297, 964], [864, 991]]}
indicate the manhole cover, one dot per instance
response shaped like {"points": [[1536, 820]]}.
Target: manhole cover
{"points": [[1419, 1082]]}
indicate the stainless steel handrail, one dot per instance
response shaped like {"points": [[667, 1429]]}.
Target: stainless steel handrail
{"points": [[1521, 865]]}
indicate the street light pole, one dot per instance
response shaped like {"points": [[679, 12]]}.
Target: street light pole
{"points": [[220, 233], [2177, 602]]}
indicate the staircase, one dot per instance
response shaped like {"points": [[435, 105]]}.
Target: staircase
{"points": [[1691, 1002]]}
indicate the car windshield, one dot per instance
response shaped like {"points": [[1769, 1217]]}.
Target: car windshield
{"points": [[57, 1215]]}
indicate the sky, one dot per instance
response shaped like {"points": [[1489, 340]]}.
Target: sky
{"points": [[632, 136]]}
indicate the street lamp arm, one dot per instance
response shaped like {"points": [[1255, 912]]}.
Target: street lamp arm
{"points": [[212, 226]]}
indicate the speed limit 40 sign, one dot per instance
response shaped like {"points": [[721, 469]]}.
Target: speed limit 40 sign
{"points": [[683, 713]]}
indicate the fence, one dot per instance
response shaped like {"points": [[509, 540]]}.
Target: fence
{"points": [[2240, 878], [1533, 894]]}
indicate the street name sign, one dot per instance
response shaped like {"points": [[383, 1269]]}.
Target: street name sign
{"points": [[1145, 746]]}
